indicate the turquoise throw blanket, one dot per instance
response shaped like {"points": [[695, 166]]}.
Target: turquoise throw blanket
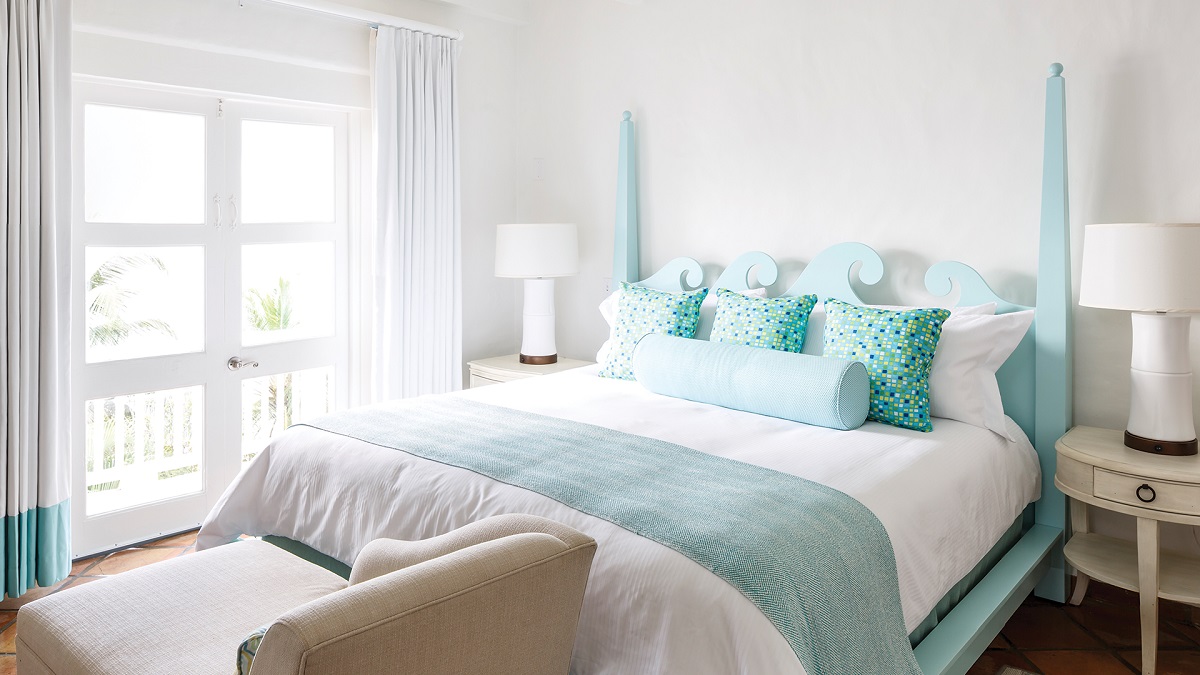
{"points": [[817, 563]]}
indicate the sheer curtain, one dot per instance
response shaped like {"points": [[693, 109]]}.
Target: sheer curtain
{"points": [[414, 335], [34, 324]]}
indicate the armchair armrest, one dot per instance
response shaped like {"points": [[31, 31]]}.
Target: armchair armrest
{"points": [[383, 556], [506, 605]]}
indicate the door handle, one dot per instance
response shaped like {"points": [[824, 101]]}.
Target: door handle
{"points": [[237, 363]]}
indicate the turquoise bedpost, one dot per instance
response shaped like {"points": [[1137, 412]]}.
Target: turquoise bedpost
{"points": [[1053, 337], [625, 233]]}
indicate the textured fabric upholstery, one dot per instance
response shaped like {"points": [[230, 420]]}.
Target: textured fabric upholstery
{"points": [[499, 596], [388, 555], [186, 615], [502, 595]]}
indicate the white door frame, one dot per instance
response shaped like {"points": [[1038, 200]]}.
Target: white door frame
{"points": [[220, 433]]}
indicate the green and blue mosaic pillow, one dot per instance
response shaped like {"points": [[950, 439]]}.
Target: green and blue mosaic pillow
{"points": [[771, 323], [897, 346], [641, 311]]}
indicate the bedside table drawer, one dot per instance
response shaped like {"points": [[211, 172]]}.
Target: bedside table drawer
{"points": [[1147, 494]]}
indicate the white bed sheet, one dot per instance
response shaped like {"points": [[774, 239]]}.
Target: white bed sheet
{"points": [[944, 497]]}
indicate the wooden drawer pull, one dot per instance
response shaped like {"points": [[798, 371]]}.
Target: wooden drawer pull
{"points": [[1143, 489]]}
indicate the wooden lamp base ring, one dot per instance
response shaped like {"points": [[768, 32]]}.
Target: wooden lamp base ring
{"points": [[1153, 447], [539, 360]]}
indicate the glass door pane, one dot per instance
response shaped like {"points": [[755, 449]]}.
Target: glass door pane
{"points": [[143, 301], [288, 291], [288, 172], [273, 403], [143, 166], [143, 448]]}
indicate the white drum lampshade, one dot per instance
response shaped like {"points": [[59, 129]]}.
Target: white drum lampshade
{"points": [[1150, 269], [537, 253]]}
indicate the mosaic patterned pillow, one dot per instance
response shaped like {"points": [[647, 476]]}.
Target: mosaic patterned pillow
{"points": [[897, 348], [642, 311], [772, 323], [247, 650]]}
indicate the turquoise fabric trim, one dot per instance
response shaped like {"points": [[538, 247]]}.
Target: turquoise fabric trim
{"points": [[36, 548], [312, 555], [817, 563], [834, 393], [897, 347], [771, 323]]}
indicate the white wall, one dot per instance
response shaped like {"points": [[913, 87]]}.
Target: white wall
{"points": [[266, 50], [916, 127]]}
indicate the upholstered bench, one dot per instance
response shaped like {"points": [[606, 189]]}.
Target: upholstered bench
{"points": [[501, 595]]}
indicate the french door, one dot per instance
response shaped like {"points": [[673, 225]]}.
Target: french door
{"points": [[209, 251]]}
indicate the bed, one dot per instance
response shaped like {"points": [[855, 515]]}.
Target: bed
{"points": [[974, 519]]}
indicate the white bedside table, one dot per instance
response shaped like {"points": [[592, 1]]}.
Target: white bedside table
{"points": [[1095, 468], [508, 368]]}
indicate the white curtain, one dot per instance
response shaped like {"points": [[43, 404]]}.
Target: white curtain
{"points": [[415, 335], [34, 324]]}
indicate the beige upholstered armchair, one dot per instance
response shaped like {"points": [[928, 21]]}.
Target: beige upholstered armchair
{"points": [[501, 595]]}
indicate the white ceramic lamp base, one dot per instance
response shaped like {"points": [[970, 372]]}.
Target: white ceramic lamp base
{"points": [[537, 335], [1160, 373]]}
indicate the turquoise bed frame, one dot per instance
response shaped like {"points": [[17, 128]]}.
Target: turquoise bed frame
{"points": [[1035, 383]]}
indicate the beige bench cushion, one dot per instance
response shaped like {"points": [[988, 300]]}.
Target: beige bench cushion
{"points": [[186, 615]]}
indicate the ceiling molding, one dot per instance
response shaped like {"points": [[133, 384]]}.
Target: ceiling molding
{"points": [[199, 45]]}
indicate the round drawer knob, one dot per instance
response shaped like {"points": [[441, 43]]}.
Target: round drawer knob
{"points": [[1146, 493]]}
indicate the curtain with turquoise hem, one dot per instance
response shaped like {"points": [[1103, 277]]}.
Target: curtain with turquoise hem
{"points": [[35, 439], [36, 548]]}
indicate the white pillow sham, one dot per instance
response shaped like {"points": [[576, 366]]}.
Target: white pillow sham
{"points": [[962, 380], [608, 310]]}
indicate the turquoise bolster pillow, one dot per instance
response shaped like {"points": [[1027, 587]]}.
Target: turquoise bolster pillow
{"points": [[827, 392]]}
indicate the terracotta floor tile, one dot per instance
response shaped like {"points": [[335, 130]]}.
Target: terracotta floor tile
{"points": [[1106, 593], [79, 581], [1119, 625], [179, 540], [1176, 611], [999, 643], [32, 594], [8, 665], [133, 558], [1078, 663], [1170, 661], [994, 660], [79, 567], [1187, 630], [1046, 627]]}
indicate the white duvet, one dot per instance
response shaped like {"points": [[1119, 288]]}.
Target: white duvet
{"points": [[944, 497]]}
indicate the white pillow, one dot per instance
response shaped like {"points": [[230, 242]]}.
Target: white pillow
{"points": [[814, 335], [708, 309], [962, 380]]}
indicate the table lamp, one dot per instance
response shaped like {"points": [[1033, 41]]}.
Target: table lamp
{"points": [[537, 253], [1150, 269]]}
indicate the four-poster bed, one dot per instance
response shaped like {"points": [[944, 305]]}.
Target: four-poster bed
{"points": [[328, 489]]}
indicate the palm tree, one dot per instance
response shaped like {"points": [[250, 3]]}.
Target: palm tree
{"points": [[108, 294], [272, 309]]}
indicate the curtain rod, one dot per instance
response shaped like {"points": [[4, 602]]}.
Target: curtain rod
{"points": [[374, 19]]}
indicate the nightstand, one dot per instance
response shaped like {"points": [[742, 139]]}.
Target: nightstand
{"points": [[1096, 469], [508, 368]]}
